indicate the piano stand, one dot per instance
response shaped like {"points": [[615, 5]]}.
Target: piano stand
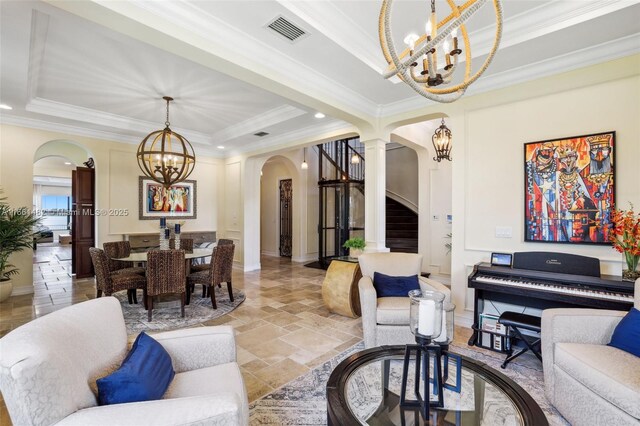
{"points": [[515, 321]]}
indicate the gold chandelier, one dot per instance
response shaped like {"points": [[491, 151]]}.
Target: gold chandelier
{"points": [[439, 49], [165, 156]]}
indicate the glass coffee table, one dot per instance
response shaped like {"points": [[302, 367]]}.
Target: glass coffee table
{"points": [[365, 389]]}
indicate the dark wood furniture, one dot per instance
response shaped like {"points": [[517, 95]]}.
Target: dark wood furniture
{"points": [[346, 406], [145, 241], [543, 289]]}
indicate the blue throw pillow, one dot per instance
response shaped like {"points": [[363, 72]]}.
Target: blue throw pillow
{"points": [[145, 374], [626, 336], [388, 286]]}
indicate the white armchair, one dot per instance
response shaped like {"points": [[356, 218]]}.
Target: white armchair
{"points": [[588, 382], [385, 320], [49, 366]]}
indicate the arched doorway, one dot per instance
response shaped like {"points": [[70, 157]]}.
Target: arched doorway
{"points": [[434, 190], [63, 194]]}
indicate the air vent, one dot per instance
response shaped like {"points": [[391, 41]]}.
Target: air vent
{"points": [[260, 134], [286, 29]]}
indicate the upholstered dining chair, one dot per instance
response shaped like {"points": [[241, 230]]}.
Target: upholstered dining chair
{"points": [[220, 271], [385, 320], [109, 283], [186, 244], [165, 275], [119, 249], [207, 266]]}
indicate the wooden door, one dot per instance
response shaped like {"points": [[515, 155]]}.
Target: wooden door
{"points": [[83, 223], [286, 217]]}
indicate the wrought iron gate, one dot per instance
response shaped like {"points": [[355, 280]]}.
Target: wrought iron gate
{"points": [[286, 228]]}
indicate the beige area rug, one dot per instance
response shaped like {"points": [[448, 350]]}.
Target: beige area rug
{"points": [[166, 314], [303, 400]]}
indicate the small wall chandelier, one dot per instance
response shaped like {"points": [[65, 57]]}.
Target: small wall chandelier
{"points": [[441, 140], [165, 156], [439, 49]]}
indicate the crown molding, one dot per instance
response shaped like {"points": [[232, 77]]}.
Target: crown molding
{"points": [[545, 19], [32, 123], [249, 51], [286, 140], [604, 52], [258, 122], [331, 21], [101, 118]]}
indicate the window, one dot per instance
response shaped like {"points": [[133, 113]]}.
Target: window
{"points": [[56, 211]]}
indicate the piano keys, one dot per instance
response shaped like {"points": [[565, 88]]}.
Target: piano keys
{"points": [[539, 280]]}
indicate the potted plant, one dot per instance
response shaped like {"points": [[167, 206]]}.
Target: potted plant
{"points": [[16, 234], [625, 236], [355, 246]]}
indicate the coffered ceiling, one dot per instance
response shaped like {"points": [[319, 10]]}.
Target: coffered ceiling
{"points": [[101, 68]]}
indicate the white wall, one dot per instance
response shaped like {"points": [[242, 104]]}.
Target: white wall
{"points": [[402, 174], [489, 170], [116, 186], [434, 180]]}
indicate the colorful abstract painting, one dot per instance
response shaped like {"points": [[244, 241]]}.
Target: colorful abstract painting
{"points": [[570, 189], [157, 201]]}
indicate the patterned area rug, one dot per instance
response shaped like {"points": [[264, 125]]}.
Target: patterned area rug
{"points": [[303, 400], [166, 314]]}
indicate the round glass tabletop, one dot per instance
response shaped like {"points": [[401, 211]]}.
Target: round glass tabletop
{"points": [[366, 387]]}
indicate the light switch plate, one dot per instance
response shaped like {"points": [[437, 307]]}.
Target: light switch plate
{"points": [[504, 232]]}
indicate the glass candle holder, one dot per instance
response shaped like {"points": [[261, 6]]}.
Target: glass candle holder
{"points": [[447, 327], [425, 314]]}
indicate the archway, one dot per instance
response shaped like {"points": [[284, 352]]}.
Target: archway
{"points": [[54, 163], [434, 181]]}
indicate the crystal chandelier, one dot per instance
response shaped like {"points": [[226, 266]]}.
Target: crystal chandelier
{"points": [[439, 48], [441, 140], [165, 156]]}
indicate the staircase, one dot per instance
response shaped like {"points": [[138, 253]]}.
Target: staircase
{"points": [[402, 228]]}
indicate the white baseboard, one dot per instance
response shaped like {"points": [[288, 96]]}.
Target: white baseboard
{"points": [[464, 320], [254, 267], [306, 258], [269, 253], [22, 290]]}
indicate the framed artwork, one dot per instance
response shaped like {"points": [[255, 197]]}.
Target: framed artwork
{"points": [[178, 201], [569, 189]]}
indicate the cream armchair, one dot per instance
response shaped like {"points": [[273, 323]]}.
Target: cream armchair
{"points": [[48, 369], [385, 320], [588, 382]]}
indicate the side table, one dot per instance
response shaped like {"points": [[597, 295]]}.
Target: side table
{"points": [[340, 288]]}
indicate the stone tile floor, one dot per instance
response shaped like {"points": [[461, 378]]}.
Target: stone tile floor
{"points": [[283, 329]]}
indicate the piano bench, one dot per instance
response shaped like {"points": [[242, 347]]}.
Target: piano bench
{"points": [[516, 321]]}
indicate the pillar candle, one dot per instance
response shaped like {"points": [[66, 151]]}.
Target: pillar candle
{"points": [[163, 222], [426, 317], [177, 228], [167, 233]]}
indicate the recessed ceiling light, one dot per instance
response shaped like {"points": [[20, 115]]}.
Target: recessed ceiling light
{"points": [[319, 115], [220, 147], [5, 106], [67, 163]]}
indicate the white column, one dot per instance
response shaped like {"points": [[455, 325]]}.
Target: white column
{"points": [[375, 186]]}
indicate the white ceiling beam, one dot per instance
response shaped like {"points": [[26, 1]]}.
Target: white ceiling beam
{"points": [[257, 123], [184, 29]]}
